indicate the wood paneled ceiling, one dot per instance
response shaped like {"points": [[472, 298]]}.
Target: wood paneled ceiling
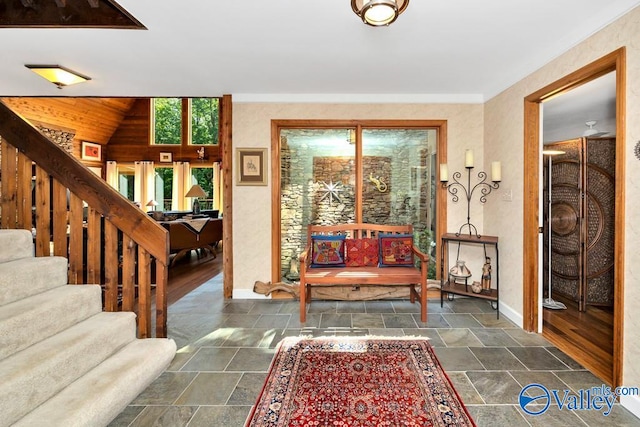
{"points": [[66, 13]]}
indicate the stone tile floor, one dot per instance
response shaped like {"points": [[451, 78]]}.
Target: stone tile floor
{"points": [[225, 349]]}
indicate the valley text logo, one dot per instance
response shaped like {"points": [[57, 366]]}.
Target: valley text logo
{"points": [[535, 399]]}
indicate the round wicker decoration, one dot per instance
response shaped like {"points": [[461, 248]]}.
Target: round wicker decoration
{"points": [[564, 219]]}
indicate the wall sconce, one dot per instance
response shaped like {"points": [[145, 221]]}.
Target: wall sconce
{"points": [[58, 75], [378, 13], [483, 185]]}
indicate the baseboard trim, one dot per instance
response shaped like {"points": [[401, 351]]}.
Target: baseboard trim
{"points": [[247, 294], [511, 314], [632, 404]]}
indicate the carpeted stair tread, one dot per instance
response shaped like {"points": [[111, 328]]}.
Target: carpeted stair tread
{"points": [[24, 277], [15, 244], [37, 373], [100, 395], [30, 320]]}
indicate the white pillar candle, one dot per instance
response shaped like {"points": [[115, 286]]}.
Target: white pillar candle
{"points": [[496, 172], [444, 172], [468, 159]]}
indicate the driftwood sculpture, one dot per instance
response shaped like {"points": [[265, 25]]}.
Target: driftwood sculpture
{"points": [[266, 288]]}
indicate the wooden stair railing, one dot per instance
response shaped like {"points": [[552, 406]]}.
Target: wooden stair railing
{"points": [[76, 214]]}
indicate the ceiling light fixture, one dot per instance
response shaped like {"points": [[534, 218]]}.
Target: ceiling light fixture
{"points": [[378, 13], [58, 75]]}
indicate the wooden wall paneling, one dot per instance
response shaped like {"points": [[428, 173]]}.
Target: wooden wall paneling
{"points": [[129, 251], [76, 240], [25, 201], [8, 191], [110, 266], [131, 141], [43, 212], [93, 246], [92, 119], [144, 293], [59, 226]]}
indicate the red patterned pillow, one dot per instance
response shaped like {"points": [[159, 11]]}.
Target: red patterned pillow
{"points": [[396, 250], [362, 252]]}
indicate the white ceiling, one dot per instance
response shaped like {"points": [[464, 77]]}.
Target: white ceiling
{"points": [[308, 50]]}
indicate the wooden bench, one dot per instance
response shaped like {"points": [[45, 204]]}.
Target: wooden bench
{"points": [[368, 275]]}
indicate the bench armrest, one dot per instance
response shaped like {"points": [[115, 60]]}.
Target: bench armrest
{"points": [[303, 257]]}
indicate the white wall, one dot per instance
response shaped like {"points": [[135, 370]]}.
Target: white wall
{"points": [[252, 205]]}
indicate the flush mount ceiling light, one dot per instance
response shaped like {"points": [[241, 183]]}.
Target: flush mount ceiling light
{"points": [[58, 75], [378, 13]]}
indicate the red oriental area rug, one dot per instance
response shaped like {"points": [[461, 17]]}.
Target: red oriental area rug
{"points": [[357, 382]]}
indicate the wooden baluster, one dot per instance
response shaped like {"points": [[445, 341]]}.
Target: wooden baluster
{"points": [[162, 277], [76, 240], [25, 201], [128, 273], [43, 212], [144, 293], [59, 219], [94, 246], [110, 266], [9, 184]]}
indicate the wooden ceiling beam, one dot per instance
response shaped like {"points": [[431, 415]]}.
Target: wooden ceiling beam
{"points": [[65, 14]]}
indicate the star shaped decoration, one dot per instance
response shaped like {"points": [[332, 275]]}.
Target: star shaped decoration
{"points": [[330, 190]]}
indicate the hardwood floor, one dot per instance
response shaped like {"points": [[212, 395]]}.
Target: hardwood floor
{"points": [[190, 272], [585, 336]]}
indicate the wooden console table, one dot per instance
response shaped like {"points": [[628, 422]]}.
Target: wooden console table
{"points": [[449, 287]]}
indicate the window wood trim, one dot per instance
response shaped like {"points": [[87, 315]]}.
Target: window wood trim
{"points": [[277, 125]]}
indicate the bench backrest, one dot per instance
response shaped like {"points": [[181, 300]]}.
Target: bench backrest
{"points": [[357, 230]]}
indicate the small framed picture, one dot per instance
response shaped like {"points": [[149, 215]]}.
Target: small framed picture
{"points": [[252, 166], [91, 151], [165, 157]]}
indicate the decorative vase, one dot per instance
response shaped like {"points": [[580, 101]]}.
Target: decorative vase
{"points": [[460, 272], [476, 287]]}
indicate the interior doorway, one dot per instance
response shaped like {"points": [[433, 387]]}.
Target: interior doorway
{"points": [[609, 370], [578, 247]]}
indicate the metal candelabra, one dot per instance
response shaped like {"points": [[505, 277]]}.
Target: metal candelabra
{"points": [[485, 189]]}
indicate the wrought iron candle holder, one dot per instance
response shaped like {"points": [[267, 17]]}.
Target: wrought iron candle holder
{"points": [[484, 187]]}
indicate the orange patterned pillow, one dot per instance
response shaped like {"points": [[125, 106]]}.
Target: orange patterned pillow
{"points": [[362, 252]]}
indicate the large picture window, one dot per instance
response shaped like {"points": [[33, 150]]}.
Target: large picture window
{"points": [[167, 121], [366, 173], [199, 127]]}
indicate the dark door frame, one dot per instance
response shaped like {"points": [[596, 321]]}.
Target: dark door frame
{"points": [[615, 61]]}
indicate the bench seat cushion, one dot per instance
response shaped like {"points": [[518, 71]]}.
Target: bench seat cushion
{"points": [[363, 275]]}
